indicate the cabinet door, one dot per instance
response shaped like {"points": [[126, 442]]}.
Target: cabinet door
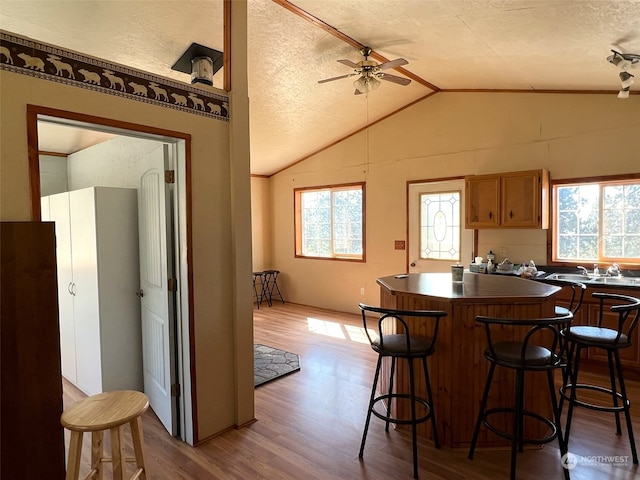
{"points": [[629, 357], [59, 213], [521, 200], [85, 278], [482, 201]]}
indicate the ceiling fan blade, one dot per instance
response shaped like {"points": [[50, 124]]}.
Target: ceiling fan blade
{"points": [[394, 79], [336, 78], [398, 62], [348, 63]]}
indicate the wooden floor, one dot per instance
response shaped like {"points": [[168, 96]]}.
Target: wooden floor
{"points": [[309, 424]]}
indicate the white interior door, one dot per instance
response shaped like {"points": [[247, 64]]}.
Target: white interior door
{"points": [[156, 300], [416, 261]]}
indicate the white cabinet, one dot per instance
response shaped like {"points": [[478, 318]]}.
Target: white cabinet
{"points": [[98, 276]]}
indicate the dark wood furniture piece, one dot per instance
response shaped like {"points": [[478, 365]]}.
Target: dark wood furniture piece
{"points": [[31, 399], [459, 369], [401, 345]]}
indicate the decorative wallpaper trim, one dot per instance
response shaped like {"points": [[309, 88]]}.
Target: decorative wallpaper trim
{"points": [[28, 57]]}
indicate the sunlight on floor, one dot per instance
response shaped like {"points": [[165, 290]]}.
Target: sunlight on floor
{"points": [[337, 330]]}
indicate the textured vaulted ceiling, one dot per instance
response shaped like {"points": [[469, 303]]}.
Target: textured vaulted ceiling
{"points": [[451, 44]]}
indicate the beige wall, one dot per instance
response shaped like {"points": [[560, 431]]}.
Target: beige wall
{"points": [[261, 223], [213, 220], [448, 134]]}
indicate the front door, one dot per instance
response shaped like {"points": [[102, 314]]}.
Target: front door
{"points": [[157, 298]]}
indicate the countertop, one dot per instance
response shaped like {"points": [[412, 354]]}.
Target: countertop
{"points": [[475, 287]]}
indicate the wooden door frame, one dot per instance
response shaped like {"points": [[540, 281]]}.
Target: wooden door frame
{"points": [[33, 112]]}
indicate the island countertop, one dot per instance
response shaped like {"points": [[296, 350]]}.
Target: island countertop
{"points": [[458, 367], [475, 287]]}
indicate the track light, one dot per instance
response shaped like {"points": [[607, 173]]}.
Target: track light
{"points": [[624, 93], [624, 61], [619, 61], [626, 79]]}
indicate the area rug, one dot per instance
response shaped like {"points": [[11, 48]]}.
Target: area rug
{"points": [[271, 363]]}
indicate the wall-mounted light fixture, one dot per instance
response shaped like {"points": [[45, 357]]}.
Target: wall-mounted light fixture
{"points": [[200, 62], [624, 61]]}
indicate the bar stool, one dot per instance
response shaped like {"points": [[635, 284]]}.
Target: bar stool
{"points": [[259, 288], [404, 346], [575, 292], [106, 411], [625, 310], [523, 356], [271, 278]]}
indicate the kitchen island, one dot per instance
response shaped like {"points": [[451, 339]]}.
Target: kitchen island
{"points": [[458, 369]]}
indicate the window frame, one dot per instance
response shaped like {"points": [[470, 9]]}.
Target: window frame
{"points": [[297, 209], [552, 259]]}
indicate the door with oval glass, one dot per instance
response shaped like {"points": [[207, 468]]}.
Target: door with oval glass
{"points": [[437, 237]]}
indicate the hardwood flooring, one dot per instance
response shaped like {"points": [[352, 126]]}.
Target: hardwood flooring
{"points": [[309, 424]]}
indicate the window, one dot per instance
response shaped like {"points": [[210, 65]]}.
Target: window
{"points": [[440, 226], [329, 222], [597, 221]]}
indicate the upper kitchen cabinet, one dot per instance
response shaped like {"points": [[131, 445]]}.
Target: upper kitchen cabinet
{"points": [[483, 201], [508, 200]]}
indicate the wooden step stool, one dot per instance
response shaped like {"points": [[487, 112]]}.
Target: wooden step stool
{"points": [[106, 411]]}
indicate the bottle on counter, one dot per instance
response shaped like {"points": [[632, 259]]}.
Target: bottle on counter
{"points": [[489, 266]]}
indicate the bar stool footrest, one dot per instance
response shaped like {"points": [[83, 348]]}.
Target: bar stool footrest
{"points": [[597, 388], [401, 421], [535, 441]]}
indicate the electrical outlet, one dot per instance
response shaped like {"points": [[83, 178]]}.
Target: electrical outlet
{"points": [[399, 244], [362, 291]]}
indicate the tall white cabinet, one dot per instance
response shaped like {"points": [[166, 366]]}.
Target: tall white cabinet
{"points": [[98, 277]]}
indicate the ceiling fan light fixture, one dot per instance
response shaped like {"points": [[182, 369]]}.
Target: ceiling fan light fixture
{"points": [[627, 79], [366, 84]]}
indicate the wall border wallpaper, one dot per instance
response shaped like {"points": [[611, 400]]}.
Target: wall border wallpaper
{"points": [[36, 59]]}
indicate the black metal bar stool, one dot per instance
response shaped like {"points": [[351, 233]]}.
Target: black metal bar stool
{"points": [[624, 310], [573, 296], [405, 346], [271, 282], [538, 351], [260, 288]]}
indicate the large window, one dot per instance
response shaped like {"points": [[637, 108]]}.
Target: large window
{"points": [[440, 226], [329, 222], [597, 221]]}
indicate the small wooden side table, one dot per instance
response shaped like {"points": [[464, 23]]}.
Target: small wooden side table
{"points": [[106, 411]]}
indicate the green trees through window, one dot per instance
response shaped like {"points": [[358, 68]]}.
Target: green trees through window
{"points": [[597, 221], [330, 222]]}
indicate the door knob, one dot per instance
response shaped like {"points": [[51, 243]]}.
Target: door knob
{"points": [[140, 293]]}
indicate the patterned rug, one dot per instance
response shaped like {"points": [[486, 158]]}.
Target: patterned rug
{"points": [[272, 363]]}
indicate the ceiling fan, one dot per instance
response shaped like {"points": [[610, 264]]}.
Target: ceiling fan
{"points": [[370, 73]]}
